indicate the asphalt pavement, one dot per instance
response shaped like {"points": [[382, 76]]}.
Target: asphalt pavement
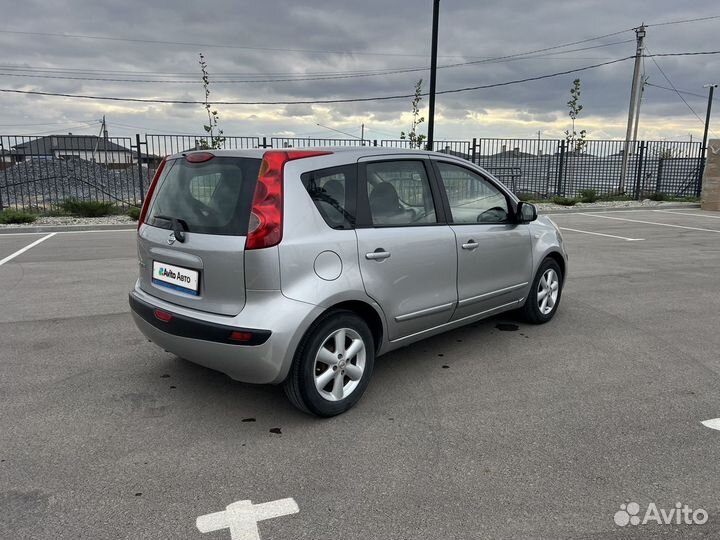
{"points": [[496, 430]]}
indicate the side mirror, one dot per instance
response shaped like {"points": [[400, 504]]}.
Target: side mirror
{"points": [[526, 212]]}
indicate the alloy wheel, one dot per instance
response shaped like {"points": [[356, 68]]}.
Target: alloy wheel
{"points": [[339, 364]]}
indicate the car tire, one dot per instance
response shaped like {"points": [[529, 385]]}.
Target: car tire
{"points": [[332, 366], [546, 289]]}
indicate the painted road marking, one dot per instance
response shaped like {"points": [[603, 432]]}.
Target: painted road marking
{"points": [[242, 517], [628, 210], [67, 232], [602, 234], [23, 250], [687, 214], [712, 424], [649, 222]]}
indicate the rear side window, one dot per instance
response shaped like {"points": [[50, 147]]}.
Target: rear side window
{"points": [[213, 197], [332, 190], [399, 193]]}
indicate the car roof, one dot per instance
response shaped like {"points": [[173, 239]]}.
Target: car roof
{"points": [[349, 152]]}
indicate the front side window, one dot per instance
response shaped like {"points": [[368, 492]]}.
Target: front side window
{"points": [[472, 198], [399, 193], [331, 191]]}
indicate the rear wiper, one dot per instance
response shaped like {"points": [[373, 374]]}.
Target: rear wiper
{"points": [[180, 226]]}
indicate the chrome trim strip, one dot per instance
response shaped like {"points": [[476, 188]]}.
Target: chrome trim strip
{"points": [[490, 294], [423, 312], [456, 322]]}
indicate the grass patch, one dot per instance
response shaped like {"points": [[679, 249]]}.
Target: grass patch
{"points": [[16, 216], [616, 198], [565, 201], [525, 196], [79, 208], [664, 197], [589, 196], [134, 213]]}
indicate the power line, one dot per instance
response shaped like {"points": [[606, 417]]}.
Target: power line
{"points": [[686, 92], [673, 87], [346, 100], [53, 131], [300, 78], [683, 21], [311, 102], [209, 45], [48, 123]]}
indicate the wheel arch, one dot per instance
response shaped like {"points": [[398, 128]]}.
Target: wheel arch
{"points": [[365, 311], [559, 259]]}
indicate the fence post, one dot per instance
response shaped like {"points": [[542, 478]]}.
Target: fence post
{"points": [[701, 170], [561, 169], [374, 142], [473, 154], [640, 171], [140, 169], [2, 154]]}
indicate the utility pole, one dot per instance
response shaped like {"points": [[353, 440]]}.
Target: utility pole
{"points": [[703, 150], [433, 74], [634, 103], [644, 81], [103, 133], [362, 134]]}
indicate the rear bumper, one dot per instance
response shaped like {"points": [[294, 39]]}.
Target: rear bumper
{"points": [[276, 322], [181, 326]]}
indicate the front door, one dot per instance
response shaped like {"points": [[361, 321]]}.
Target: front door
{"points": [[493, 250], [407, 253]]}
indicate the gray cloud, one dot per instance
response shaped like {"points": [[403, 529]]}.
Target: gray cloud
{"points": [[468, 31]]}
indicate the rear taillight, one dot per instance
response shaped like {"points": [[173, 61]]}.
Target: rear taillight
{"points": [[265, 228], [151, 190]]}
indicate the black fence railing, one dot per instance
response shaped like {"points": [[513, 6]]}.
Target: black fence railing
{"points": [[38, 173]]}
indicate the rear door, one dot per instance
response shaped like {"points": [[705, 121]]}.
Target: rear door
{"points": [[493, 250], [407, 252], [191, 247]]}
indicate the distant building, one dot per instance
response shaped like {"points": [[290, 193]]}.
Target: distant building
{"points": [[86, 147]]}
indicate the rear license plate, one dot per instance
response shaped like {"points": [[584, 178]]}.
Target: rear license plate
{"points": [[176, 277]]}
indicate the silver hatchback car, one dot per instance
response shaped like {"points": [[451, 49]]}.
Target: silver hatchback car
{"points": [[302, 266]]}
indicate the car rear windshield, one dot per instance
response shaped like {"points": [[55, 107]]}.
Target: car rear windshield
{"points": [[213, 197]]}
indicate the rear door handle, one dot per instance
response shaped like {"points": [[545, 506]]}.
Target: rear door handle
{"points": [[378, 255], [470, 244]]}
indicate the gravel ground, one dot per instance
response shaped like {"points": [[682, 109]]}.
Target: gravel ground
{"points": [[646, 203], [63, 221]]}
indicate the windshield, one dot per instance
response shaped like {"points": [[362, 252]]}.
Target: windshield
{"points": [[213, 197]]}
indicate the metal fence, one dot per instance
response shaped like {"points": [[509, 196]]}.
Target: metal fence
{"points": [[38, 173]]}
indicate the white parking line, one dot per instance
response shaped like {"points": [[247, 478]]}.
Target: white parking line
{"points": [[23, 250], [687, 214], [712, 424], [602, 234], [68, 232], [596, 215], [242, 517]]}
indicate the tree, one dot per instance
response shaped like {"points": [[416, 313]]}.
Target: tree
{"points": [[215, 134], [416, 139], [576, 141]]}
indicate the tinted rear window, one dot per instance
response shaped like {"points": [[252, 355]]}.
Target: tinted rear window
{"points": [[214, 197]]}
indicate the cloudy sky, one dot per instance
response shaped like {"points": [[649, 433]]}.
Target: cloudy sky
{"points": [[348, 49]]}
